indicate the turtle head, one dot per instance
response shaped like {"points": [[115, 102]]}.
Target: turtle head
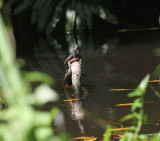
{"points": [[75, 50]]}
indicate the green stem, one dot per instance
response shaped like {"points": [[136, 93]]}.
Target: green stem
{"points": [[139, 124]]}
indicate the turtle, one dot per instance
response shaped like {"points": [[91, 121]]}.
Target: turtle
{"points": [[70, 59], [71, 56]]}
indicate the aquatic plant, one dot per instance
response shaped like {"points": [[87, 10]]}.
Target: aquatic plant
{"points": [[20, 121], [137, 112], [137, 115]]}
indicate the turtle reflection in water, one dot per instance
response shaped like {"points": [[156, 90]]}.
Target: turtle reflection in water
{"points": [[73, 71]]}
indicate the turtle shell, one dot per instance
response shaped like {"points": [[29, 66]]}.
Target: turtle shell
{"points": [[68, 58]]}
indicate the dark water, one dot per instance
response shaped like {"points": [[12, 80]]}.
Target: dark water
{"points": [[119, 62]]}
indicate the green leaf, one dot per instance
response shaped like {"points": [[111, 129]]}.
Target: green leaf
{"points": [[54, 112], [12, 1], [140, 90], [156, 137], [88, 16], [106, 15], [12, 74], [135, 93], [38, 77], [136, 104], [144, 119], [143, 137], [155, 74], [55, 17], [70, 17], [42, 119], [22, 6], [64, 137], [128, 136], [37, 10], [44, 134], [3, 80], [144, 83], [81, 15], [41, 13], [107, 134], [79, 7], [44, 94], [1, 3], [46, 12], [128, 117]]}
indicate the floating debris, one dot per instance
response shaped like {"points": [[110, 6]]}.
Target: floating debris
{"points": [[120, 129], [153, 81], [121, 89], [86, 138], [128, 104], [71, 100], [138, 29]]}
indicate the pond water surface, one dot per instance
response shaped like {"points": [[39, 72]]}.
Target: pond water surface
{"points": [[118, 62]]}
